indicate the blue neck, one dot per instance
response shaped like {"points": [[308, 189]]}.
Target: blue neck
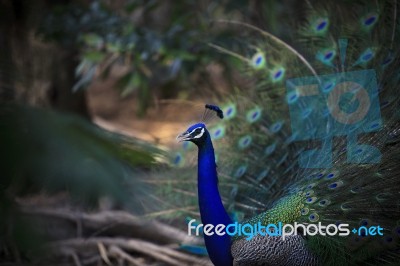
{"points": [[212, 210]]}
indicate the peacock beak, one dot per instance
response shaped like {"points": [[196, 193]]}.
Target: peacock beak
{"points": [[183, 137]]}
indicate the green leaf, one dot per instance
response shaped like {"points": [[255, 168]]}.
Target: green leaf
{"points": [[92, 39], [94, 56], [115, 47], [133, 83]]}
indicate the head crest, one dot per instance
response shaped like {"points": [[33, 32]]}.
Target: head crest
{"points": [[210, 110]]}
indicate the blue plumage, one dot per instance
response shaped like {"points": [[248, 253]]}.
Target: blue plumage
{"points": [[212, 210]]}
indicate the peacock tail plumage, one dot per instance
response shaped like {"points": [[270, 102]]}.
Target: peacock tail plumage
{"points": [[281, 154]]}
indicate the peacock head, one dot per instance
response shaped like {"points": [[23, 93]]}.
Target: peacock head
{"points": [[196, 133]]}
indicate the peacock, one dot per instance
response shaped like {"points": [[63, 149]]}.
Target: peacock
{"points": [[313, 136]]}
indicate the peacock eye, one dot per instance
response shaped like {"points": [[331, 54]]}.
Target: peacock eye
{"points": [[197, 133]]}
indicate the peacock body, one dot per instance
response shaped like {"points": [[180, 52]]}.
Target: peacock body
{"points": [[314, 138]]}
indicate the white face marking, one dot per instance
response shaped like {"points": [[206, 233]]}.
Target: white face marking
{"points": [[198, 135]]}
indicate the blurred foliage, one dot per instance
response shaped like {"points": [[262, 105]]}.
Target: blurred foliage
{"points": [[161, 44], [44, 152], [154, 55], [55, 152]]}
